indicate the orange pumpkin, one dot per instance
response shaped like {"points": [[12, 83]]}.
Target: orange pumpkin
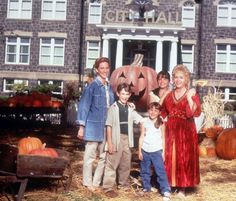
{"points": [[211, 151], [37, 103], [12, 101], [50, 152], [27, 144], [207, 151], [226, 144], [142, 81], [56, 104], [213, 131], [202, 151]]}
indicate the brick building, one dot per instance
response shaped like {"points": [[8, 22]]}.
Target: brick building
{"points": [[46, 40], [40, 42]]}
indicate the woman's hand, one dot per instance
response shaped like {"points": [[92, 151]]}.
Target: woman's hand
{"points": [[140, 155], [191, 92], [132, 105]]}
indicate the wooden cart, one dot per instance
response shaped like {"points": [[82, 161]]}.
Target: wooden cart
{"points": [[15, 168]]}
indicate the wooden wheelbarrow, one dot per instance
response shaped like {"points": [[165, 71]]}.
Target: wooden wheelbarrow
{"points": [[15, 168]]}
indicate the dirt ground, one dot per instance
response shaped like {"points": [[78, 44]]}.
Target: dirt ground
{"points": [[218, 177]]}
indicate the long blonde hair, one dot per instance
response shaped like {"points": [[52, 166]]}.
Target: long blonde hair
{"points": [[186, 72]]}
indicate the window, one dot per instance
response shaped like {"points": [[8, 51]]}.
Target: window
{"points": [[95, 12], [149, 15], [188, 14], [56, 85], [8, 84], [54, 9], [228, 94], [226, 58], [93, 52], [187, 56], [17, 50], [19, 9], [52, 51], [226, 15]]}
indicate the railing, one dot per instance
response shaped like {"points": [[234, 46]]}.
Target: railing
{"points": [[32, 114]]}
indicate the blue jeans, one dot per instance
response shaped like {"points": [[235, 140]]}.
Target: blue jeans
{"points": [[156, 159]]}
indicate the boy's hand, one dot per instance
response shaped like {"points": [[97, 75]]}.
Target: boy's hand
{"points": [[110, 148]]}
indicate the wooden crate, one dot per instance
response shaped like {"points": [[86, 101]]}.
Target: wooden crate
{"points": [[41, 166]]}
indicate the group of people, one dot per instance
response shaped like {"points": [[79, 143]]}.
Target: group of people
{"points": [[168, 136]]}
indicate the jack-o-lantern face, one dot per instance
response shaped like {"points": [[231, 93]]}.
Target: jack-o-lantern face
{"points": [[142, 81]]}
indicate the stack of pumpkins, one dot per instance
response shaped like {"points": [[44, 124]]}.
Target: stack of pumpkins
{"points": [[33, 99], [34, 146], [219, 142]]}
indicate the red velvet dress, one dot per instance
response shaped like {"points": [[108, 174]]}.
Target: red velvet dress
{"points": [[181, 142]]}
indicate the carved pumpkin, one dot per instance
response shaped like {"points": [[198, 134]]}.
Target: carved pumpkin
{"points": [[27, 144], [142, 80], [226, 144], [50, 152]]}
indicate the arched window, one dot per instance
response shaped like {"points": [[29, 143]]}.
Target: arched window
{"points": [[95, 12], [188, 14], [226, 13]]}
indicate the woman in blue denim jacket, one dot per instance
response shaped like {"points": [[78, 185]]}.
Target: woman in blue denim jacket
{"points": [[92, 113]]}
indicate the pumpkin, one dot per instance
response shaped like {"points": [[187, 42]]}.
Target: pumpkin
{"points": [[202, 151], [27, 144], [142, 80], [205, 151], [56, 104], [50, 152], [211, 151], [37, 103], [12, 101], [226, 144], [213, 131]]}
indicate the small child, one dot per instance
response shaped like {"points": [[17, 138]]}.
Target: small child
{"points": [[150, 151], [120, 139]]}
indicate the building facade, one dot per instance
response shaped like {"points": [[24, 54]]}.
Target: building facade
{"points": [[40, 42], [57, 40]]}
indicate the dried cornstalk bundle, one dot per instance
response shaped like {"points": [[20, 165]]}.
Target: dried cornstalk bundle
{"points": [[213, 107]]}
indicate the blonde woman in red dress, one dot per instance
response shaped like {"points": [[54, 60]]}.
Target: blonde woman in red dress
{"points": [[181, 143]]}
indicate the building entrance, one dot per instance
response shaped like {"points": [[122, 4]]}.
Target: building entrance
{"points": [[147, 48]]}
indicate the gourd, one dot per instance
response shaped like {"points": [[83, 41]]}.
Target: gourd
{"points": [[226, 144], [25, 145]]}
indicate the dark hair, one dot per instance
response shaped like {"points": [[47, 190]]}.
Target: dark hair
{"points": [[100, 60], [124, 86], [163, 74], [157, 106]]}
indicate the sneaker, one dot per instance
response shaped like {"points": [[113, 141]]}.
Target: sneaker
{"points": [[166, 196], [154, 190], [143, 192], [181, 194], [111, 194], [124, 187], [91, 188]]}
